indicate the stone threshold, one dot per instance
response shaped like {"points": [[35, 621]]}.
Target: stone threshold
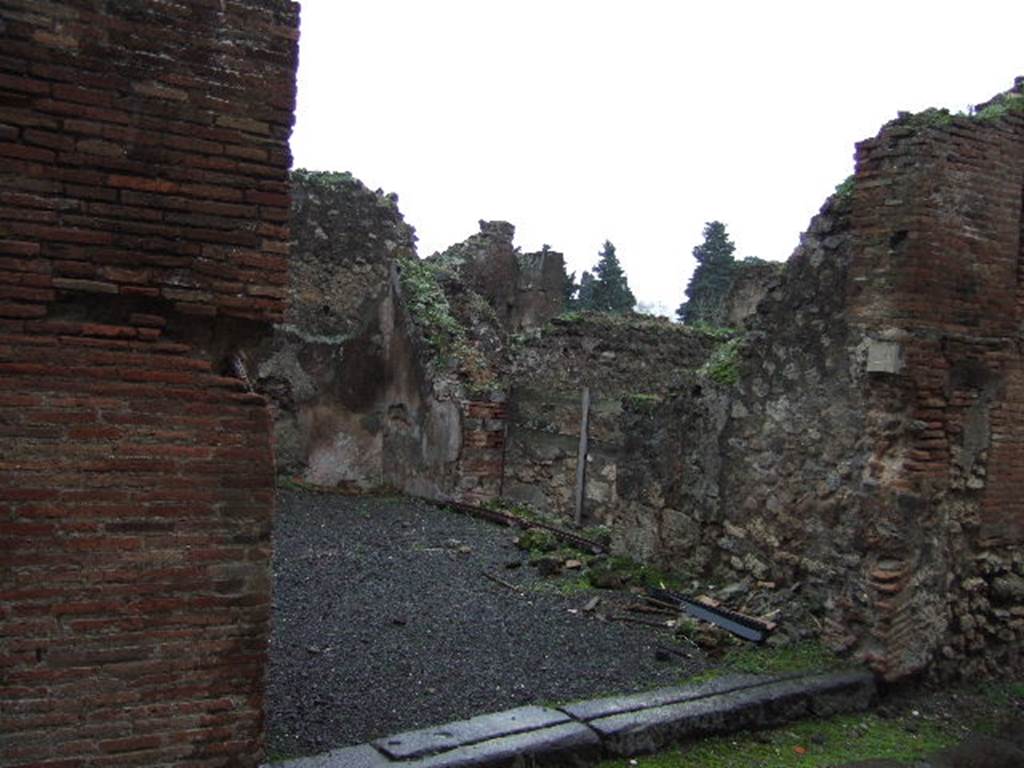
{"points": [[584, 732]]}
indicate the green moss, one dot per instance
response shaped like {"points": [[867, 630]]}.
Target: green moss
{"points": [[1001, 106], [432, 313], [626, 572], [719, 332], [428, 304], [323, 178], [723, 365], [518, 509], [931, 118], [765, 660], [811, 744], [601, 534], [538, 540], [1004, 693], [615, 320], [844, 190], [567, 586]]}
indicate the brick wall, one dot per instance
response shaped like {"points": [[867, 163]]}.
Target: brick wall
{"points": [[143, 241], [937, 218], [481, 462]]}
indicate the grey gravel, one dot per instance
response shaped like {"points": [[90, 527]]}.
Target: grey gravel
{"points": [[383, 622]]}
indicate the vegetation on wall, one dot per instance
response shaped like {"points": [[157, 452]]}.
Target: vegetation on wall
{"points": [[431, 312], [723, 365], [323, 178], [844, 189], [1002, 105]]}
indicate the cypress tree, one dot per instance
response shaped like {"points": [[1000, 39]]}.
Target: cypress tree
{"points": [[710, 283], [611, 291]]}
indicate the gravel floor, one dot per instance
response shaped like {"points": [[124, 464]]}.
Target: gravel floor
{"points": [[383, 621]]}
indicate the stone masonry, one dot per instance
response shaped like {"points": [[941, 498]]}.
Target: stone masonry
{"points": [[869, 452], [143, 244]]}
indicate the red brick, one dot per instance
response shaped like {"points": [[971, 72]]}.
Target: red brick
{"points": [[142, 183], [24, 152], [10, 309]]}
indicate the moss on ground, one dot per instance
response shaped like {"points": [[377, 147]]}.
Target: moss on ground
{"points": [[809, 744], [808, 656], [907, 728]]}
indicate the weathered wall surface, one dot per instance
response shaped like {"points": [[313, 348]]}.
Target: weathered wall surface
{"points": [[751, 282], [387, 370], [143, 241], [524, 290], [331, 364], [750, 477], [621, 359], [870, 449], [937, 287], [368, 388]]}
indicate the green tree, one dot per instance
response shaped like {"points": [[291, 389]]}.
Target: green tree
{"points": [[611, 288], [569, 290], [585, 294], [711, 280]]}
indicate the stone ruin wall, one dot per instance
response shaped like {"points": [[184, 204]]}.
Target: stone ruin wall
{"points": [[750, 284], [937, 220], [143, 242], [869, 456], [361, 400], [340, 380], [623, 360]]}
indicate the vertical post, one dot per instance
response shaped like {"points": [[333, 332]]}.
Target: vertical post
{"points": [[581, 457]]}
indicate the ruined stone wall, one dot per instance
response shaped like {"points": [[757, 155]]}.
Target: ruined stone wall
{"points": [[751, 282], [937, 287], [388, 370], [749, 477], [868, 454], [621, 359], [365, 379], [524, 290], [143, 242], [331, 362]]}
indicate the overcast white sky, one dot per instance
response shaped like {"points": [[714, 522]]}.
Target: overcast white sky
{"points": [[635, 121]]}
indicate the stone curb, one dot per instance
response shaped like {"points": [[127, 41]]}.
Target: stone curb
{"points": [[583, 732]]}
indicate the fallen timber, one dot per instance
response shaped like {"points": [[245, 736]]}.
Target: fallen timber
{"points": [[741, 625], [513, 521]]}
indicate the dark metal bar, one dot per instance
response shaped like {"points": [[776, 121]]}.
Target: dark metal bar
{"points": [[742, 626]]}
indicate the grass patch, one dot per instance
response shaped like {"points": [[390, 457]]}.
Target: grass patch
{"points": [[714, 331], [844, 190], [743, 658], [810, 744], [519, 509], [799, 657], [723, 365], [1001, 106], [447, 339], [566, 586], [617, 571]]}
